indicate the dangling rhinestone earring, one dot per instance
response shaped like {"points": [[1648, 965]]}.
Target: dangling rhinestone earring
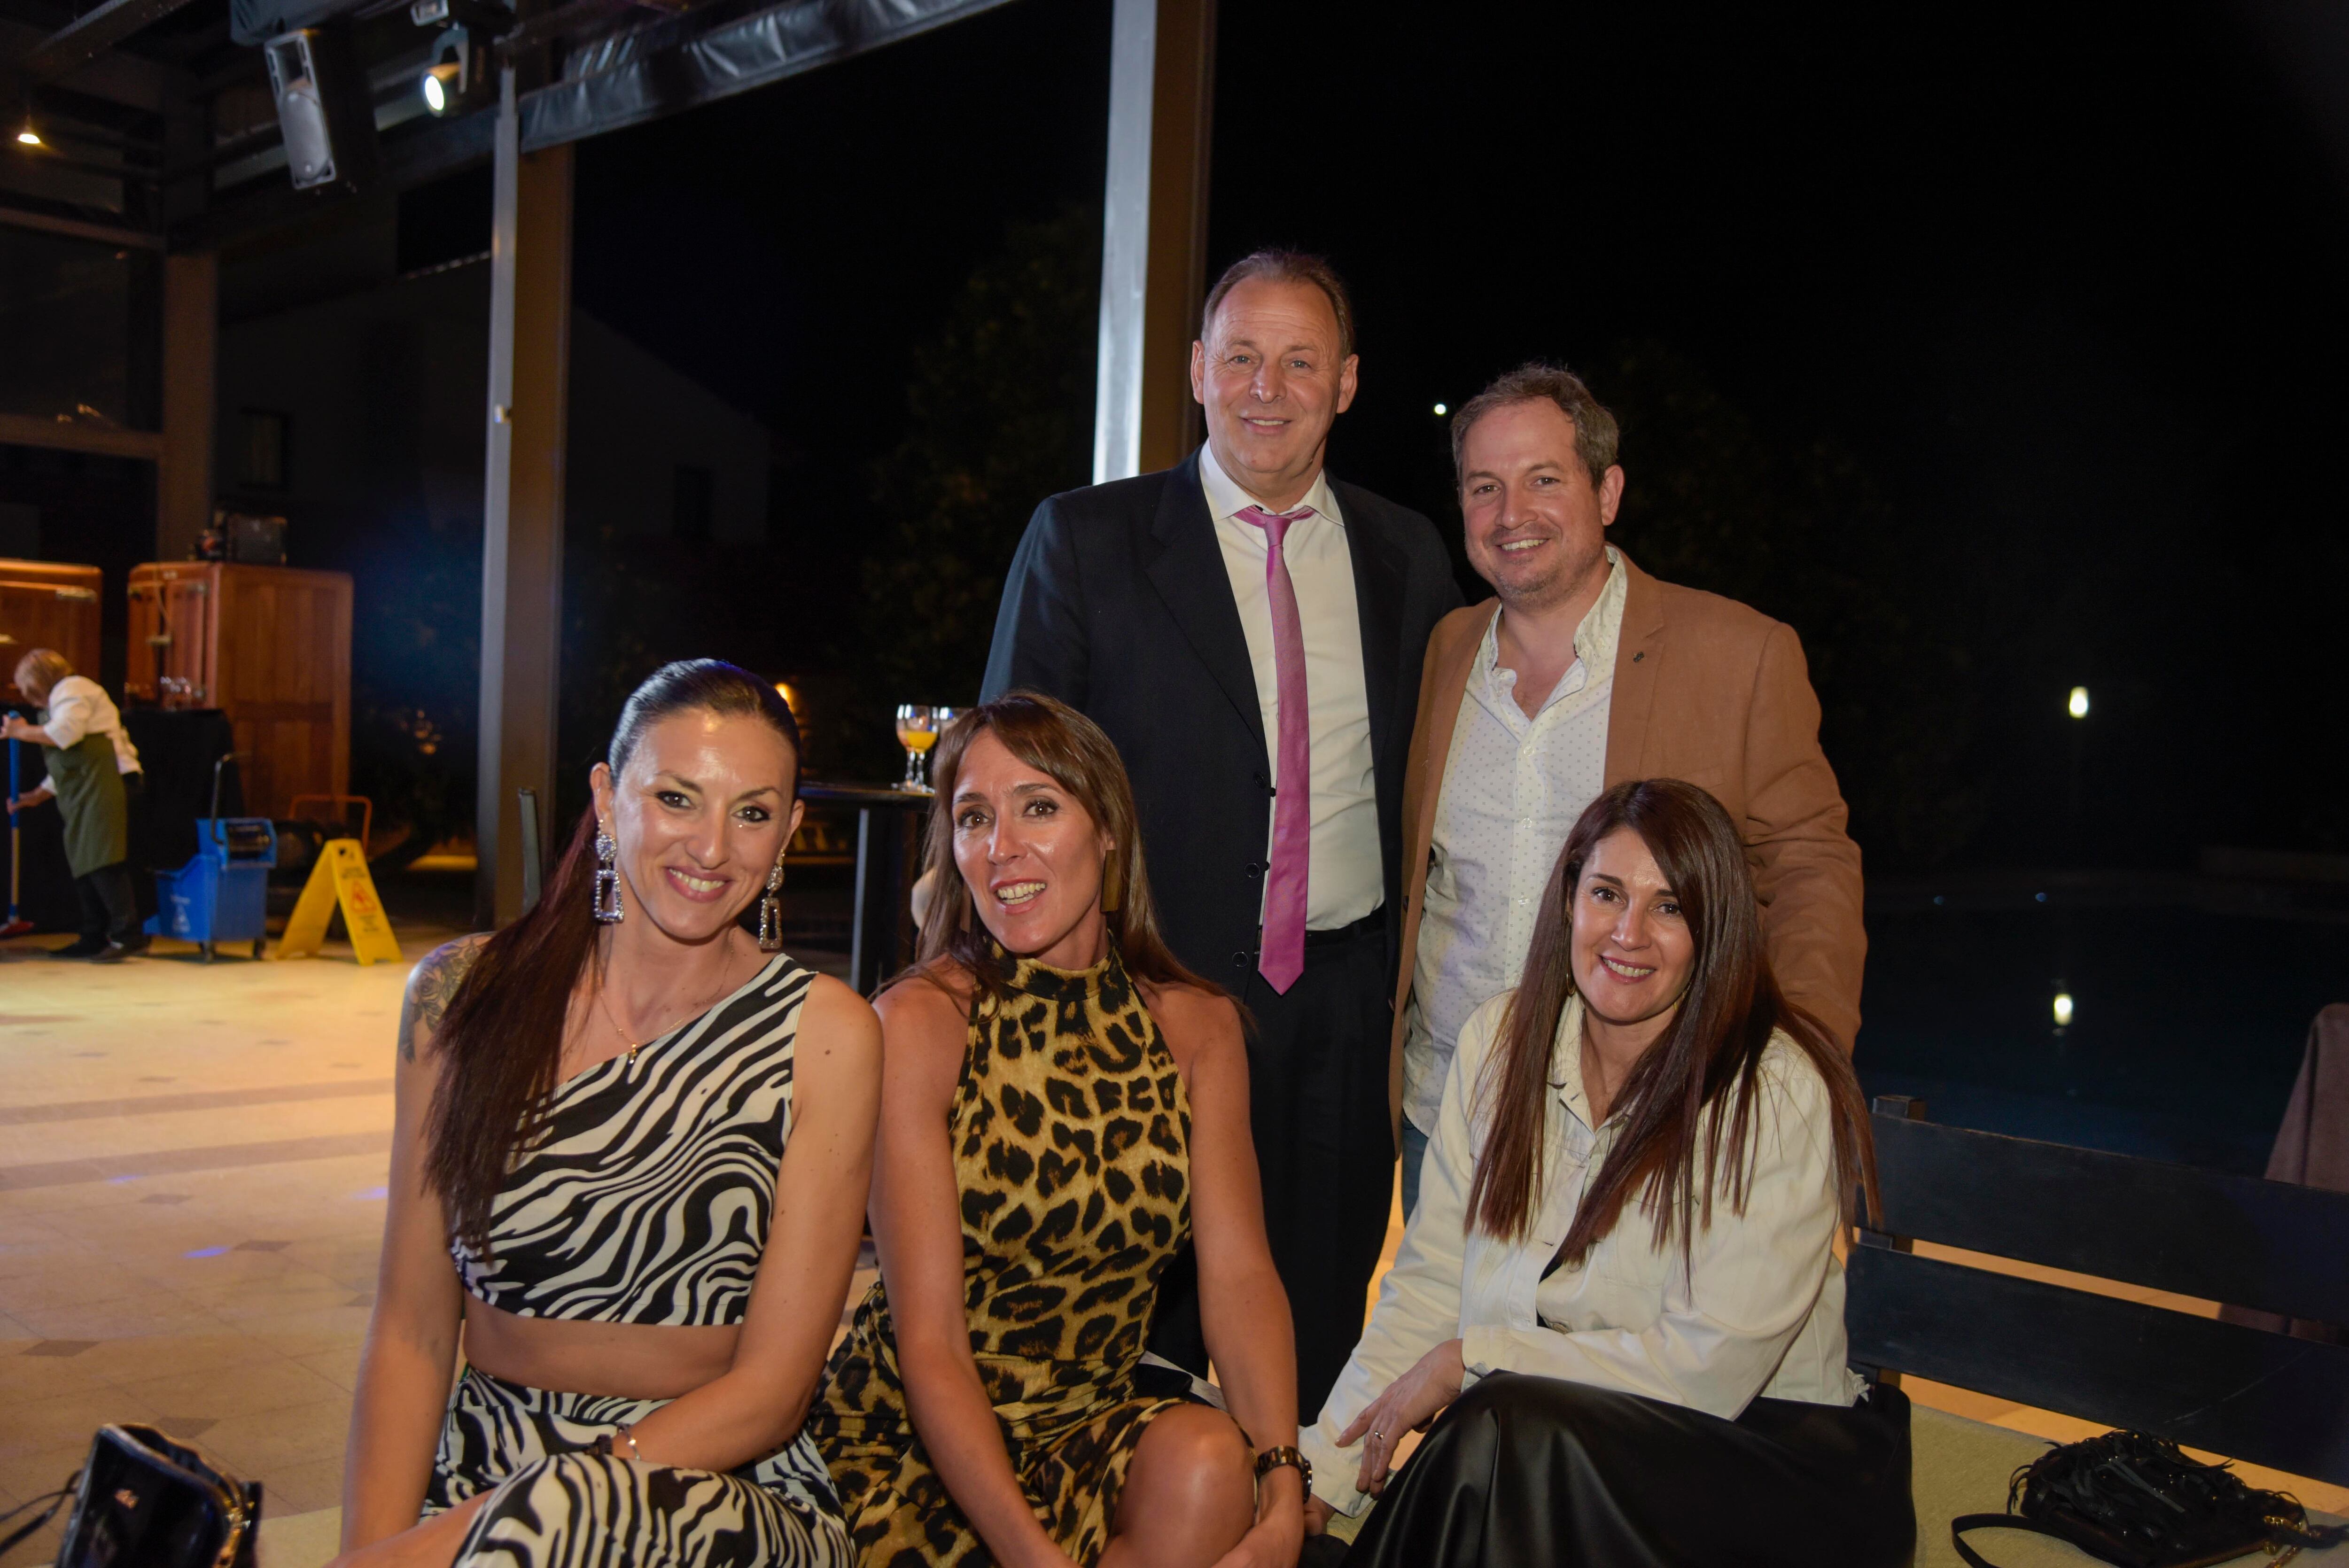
{"points": [[771, 911], [608, 907]]}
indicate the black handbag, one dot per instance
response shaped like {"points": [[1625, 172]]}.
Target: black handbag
{"points": [[143, 1500], [2135, 1500]]}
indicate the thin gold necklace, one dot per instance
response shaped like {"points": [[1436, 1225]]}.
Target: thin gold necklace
{"points": [[634, 1045]]}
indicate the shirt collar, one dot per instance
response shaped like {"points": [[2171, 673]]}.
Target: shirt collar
{"points": [[1226, 499], [1595, 640]]}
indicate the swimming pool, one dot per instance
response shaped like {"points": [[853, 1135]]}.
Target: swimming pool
{"points": [[2190, 1005]]}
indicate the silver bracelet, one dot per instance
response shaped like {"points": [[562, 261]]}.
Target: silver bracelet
{"points": [[628, 1434]]}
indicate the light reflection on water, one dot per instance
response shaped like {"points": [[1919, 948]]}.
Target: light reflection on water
{"points": [[2188, 1024]]}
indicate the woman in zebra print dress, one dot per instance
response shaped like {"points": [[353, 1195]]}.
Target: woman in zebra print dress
{"points": [[630, 1162]]}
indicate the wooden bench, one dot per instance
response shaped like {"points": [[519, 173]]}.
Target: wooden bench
{"points": [[2251, 1395]]}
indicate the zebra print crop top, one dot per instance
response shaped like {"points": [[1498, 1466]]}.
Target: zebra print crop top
{"points": [[648, 1198]]}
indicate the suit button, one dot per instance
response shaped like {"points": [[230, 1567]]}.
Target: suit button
{"points": [[1239, 960], [1255, 870]]}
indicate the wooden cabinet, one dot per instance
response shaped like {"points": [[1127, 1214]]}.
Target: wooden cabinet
{"points": [[47, 604], [270, 647]]}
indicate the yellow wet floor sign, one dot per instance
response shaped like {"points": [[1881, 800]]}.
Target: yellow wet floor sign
{"points": [[340, 877]]}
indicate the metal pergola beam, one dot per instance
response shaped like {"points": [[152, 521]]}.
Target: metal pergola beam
{"points": [[70, 48], [1154, 233]]}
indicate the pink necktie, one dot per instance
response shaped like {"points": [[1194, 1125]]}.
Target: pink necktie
{"points": [[1282, 957]]}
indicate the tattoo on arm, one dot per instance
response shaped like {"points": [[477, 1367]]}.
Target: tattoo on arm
{"points": [[428, 992]]}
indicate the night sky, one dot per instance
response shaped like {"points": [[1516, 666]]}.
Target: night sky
{"points": [[1994, 347]]}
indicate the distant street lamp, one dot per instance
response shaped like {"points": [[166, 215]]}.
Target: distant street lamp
{"points": [[2077, 706]]}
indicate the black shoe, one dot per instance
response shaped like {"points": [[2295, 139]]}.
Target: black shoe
{"points": [[116, 952], [83, 947]]}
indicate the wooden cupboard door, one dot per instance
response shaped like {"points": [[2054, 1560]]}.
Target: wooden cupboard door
{"points": [[171, 654], [42, 612], [284, 679]]}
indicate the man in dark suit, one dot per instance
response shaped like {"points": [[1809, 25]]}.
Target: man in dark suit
{"points": [[1250, 632]]}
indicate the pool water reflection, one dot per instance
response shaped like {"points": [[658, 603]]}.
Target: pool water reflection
{"points": [[2186, 1023]]}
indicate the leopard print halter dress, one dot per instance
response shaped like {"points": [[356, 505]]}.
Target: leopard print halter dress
{"points": [[1071, 1139]]}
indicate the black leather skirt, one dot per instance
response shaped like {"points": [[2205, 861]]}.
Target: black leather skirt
{"points": [[1523, 1471]]}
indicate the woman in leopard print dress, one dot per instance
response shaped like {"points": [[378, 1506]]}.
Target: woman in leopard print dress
{"points": [[1064, 1107]]}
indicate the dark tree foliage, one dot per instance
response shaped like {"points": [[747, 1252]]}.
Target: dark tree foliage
{"points": [[1796, 529], [1001, 416]]}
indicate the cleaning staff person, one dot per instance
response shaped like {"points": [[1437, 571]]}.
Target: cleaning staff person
{"points": [[93, 775]]}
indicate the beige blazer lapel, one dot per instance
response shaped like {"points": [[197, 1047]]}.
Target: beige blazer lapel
{"points": [[1443, 686], [1639, 652]]}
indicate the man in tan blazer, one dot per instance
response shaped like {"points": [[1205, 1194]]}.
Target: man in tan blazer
{"points": [[1582, 672]]}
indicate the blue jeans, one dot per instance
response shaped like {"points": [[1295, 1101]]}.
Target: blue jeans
{"points": [[1414, 1149]]}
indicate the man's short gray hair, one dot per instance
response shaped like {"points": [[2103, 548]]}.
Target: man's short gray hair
{"points": [[1596, 434], [1287, 267]]}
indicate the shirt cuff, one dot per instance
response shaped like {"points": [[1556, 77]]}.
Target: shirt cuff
{"points": [[1334, 1469], [1484, 1350]]}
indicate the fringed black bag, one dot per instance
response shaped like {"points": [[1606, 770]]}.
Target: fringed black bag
{"points": [[2136, 1502]]}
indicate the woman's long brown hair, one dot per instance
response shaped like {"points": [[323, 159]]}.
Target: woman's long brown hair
{"points": [[1071, 750], [501, 1040], [1688, 1104]]}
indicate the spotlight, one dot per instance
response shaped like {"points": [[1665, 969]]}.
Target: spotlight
{"points": [[28, 135], [1440, 410], [2063, 1009], [446, 79], [2078, 705]]}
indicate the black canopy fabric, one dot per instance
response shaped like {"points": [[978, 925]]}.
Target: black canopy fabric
{"points": [[714, 52]]}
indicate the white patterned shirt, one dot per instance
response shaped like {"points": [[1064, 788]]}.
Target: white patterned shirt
{"points": [[1512, 789]]}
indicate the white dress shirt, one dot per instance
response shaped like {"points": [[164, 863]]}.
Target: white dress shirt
{"points": [[79, 706], [1512, 787], [1345, 874], [1757, 1311]]}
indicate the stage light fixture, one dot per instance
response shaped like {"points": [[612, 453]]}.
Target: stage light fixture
{"points": [[2063, 1009], [449, 77], [2077, 706], [1440, 410]]}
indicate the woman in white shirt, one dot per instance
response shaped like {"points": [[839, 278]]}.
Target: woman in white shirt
{"points": [[1619, 1289], [94, 776]]}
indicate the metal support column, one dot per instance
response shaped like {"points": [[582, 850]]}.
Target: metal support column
{"points": [[183, 478], [522, 535], [1154, 233]]}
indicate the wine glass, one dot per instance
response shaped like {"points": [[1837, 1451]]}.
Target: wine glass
{"points": [[917, 731]]}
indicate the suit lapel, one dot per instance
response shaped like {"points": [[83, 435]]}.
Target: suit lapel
{"points": [[1451, 677], [1189, 574], [1638, 650], [1379, 570]]}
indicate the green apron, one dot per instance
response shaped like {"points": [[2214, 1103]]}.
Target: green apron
{"points": [[89, 794]]}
